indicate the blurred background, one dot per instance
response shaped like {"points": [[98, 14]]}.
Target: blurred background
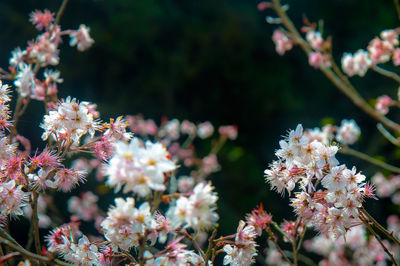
{"points": [[215, 60]]}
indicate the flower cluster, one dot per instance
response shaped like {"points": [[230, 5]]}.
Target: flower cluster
{"points": [[282, 42], [330, 194], [243, 250], [356, 64], [139, 168], [387, 186], [69, 122], [125, 225], [159, 168], [12, 198], [75, 247], [380, 50], [196, 211], [43, 52], [352, 248]]}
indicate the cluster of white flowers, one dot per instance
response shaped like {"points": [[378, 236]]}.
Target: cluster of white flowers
{"points": [[314, 38], [4, 105], [125, 224], [25, 81], [176, 254], [196, 211], [69, 122], [356, 64], [62, 240], [44, 51], [348, 132], [83, 253], [318, 58], [332, 208], [139, 168], [243, 251], [380, 50], [352, 248], [12, 198]]}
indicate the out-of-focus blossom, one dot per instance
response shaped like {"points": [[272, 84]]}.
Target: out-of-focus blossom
{"points": [[81, 38], [282, 42], [348, 132], [356, 64], [383, 104]]}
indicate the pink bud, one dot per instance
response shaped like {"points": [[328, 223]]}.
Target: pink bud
{"points": [[263, 6]]}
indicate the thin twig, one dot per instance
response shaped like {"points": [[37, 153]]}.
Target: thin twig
{"points": [[379, 226], [31, 255], [195, 244], [142, 248], [363, 219], [386, 73], [306, 260], [387, 135], [344, 87], [35, 219], [301, 238], [365, 157], [396, 3], [276, 226], [274, 241], [9, 256], [294, 242], [60, 12], [211, 244]]}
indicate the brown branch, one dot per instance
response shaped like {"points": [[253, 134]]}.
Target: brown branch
{"points": [[396, 3], [386, 73], [60, 12], [275, 242], [31, 255], [380, 227], [344, 87], [349, 151], [363, 219], [387, 135], [35, 226]]}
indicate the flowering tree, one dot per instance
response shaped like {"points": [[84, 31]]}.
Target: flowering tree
{"points": [[165, 207], [335, 208]]}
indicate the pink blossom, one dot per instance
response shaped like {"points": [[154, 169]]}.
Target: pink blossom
{"points": [[229, 131], [315, 40], [396, 57], [356, 64], [383, 104], [45, 159], [210, 164], [282, 42], [66, 179], [81, 38], [205, 130], [391, 36], [259, 219], [318, 60], [380, 50], [188, 128], [348, 132], [42, 20], [263, 6]]}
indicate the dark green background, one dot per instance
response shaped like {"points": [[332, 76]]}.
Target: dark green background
{"points": [[214, 60]]}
